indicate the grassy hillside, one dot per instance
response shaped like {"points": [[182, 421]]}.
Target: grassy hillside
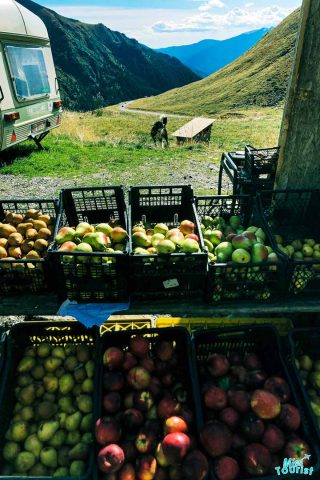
{"points": [[97, 66], [257, 79], [110, 147]]}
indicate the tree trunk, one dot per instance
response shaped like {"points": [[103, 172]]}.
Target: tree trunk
{"points": [[299, 162]]}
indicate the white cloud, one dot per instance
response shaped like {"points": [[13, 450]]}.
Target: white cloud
{"points": [[237, 17], [210, 4]]}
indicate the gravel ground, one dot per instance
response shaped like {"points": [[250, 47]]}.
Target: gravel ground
{"points": [[203, 176]]}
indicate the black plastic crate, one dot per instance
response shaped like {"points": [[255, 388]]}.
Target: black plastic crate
{"points": [[265, 342], [178, 275], [96, 276], [3, 339], [232, 281], [261, 161], [234, 180], [294, 215], [55, 333], [184, 371], [26, 276], [304, 341]]}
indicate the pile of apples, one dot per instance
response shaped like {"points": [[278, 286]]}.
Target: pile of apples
{"points": [[229, 241], [310, 374], [162, 240], [301, 250], [86, 238], [24, 236], [145, 432], [251, 423]]}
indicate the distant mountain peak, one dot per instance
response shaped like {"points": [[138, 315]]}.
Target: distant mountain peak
{"points": [[210, 55], [259, 78], [97, 66]]}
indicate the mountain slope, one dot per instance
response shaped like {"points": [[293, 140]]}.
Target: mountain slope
{"points": [[258, 78], [97, 66], [209, 56]]}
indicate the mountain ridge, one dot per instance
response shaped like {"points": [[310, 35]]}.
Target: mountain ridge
{"points": [[98, 67], [210, 55], [259, 78]]}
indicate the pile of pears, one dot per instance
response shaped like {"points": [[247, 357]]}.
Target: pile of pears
{"points": [[87, 238], [159, 239], [229, 241], [50, 432], [24, 237], [306, 250], [310, 374]]}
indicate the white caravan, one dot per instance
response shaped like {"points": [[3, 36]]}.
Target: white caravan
{"points": [[30, 104]]}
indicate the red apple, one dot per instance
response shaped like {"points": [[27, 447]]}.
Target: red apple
{"points": [[175, 424], [256, 459], [279, 387], [138, 378], [139, 345], [128, 400], [147, 363], [252, 362], [218, 365], [216, 438], [168, 407], [175, 447], [112, 402], [186, 227], [130, 451], [129, 361], [230, 417], [127, 472], [164, 350], [143, 400], [298, 449], [132, 419], [168, 379], [195, 466], [113, 381], [226, 468], [193, 236], [215, 398], [155, 387], [252, 427], [289, 417], [273, 438], [145, 441], [147, 466], [110, 459], [239, 400], [113, 358], [265, 405], [107, 431]]}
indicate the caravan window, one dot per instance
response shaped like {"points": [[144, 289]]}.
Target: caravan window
{"points": [[28, 71]]}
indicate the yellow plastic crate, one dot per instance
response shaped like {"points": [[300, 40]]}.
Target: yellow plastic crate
{"points": [[117, 323], [283, 325]]}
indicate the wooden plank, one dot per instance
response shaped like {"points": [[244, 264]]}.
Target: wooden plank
{"points": [[299, 163], [193, 128]]}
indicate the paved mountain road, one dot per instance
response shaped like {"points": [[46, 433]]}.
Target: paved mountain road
{"points": [[123, 107]]}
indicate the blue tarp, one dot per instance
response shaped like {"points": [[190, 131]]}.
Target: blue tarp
{"points": [[91, 314]]}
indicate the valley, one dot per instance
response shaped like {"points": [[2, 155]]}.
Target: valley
{"points": [[112, 147]]}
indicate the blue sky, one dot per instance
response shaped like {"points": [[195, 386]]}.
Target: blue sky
{"points": [[160, 23]]}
